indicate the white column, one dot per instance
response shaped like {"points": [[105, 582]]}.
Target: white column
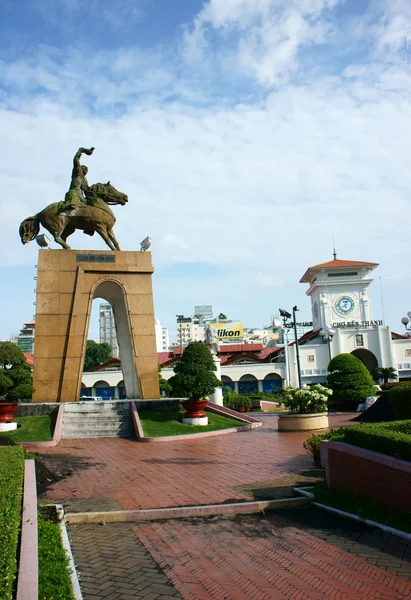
{"points": [[217, 397]]}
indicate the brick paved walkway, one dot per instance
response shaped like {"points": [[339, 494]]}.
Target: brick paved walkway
{"points": [[113, 565], [389, 552], [133, 475], [249, 557]]}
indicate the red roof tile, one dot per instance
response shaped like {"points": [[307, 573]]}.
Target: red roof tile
{"points": [[337, 264], [29, 358]]}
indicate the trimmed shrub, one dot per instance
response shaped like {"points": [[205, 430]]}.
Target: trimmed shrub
{"points": [[350, 380], [194, 377], [11, 491], [400, 400], [391, 384], [312, 444], [393, 439], [233, 400]]}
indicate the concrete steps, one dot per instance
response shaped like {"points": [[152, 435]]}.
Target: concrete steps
{"points": [[97, 419]]}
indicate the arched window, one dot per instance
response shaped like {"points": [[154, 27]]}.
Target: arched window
{"points": [[227, 382], [248, 384], [272, 382]]}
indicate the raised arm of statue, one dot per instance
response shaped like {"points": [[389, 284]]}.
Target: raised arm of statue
{"points": [[76, 160]]}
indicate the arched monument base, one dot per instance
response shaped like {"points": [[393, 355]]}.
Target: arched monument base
{"points": [[67, 283]]}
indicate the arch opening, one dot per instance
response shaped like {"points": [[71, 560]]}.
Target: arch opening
{"points": [[367, 357]]}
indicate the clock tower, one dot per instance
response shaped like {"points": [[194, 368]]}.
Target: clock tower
{"points": [[339, 291]]}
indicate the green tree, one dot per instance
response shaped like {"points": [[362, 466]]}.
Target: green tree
{"points": [[194, 377], [349, 379], [163, 383], [96, 354], [15, 374], [222, 317], [386, 374]]}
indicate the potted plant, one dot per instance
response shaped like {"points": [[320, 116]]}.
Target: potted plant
{"points": [[194, 379], [15, 383], [307, 408]]}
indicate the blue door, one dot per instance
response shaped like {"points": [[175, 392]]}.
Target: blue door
{"points": [[247, 387], [271, 386]]}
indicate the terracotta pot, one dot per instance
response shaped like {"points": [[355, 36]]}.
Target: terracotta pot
{"points": [[240, 409], [247, 409], [194, 408], [7, 410]]}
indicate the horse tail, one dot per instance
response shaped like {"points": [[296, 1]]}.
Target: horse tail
{"points": [[29, 229]]}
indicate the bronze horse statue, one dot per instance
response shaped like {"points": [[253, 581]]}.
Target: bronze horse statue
{"points": [[94, 216]]}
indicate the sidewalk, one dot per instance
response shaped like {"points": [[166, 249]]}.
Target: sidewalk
{"points": [[122, 473]]}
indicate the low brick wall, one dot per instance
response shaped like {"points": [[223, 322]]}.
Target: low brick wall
{"points": [[378, 477], [28, 409]]}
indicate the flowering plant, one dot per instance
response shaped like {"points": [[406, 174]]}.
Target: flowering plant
{"points": [[312, 399]]}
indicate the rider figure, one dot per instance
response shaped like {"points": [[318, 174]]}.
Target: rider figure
{"points": [[79, 184]]}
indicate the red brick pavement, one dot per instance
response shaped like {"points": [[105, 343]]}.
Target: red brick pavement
{"points": [[183, 473], [247, 558]]}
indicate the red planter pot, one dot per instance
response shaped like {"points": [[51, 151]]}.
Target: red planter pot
{"points": [[194, 408], [240, 409], [7, 410]]}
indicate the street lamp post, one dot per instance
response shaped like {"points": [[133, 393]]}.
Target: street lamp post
{"points": [[288, 323], [326, 336], [406, 321]]}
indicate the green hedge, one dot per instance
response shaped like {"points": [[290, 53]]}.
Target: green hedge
{"points": [[11, 492], [400, 400], [54, 571], [393, 439]]}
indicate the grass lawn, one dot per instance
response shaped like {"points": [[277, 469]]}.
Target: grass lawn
{"points": [[32, 429], [365, 509], [162, 423]]}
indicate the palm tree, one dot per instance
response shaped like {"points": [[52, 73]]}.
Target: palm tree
{"points": [[386, 374]]}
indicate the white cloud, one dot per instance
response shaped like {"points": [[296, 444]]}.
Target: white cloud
{"points": [[250, 181], [267, 34]]}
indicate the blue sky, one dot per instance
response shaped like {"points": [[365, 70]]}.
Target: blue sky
{"points": [[246, 133]]}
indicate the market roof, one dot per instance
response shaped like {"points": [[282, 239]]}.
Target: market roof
{"points": [[336, 263]]}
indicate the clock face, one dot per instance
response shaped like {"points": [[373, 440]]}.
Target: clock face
{"points": [[344, 305], [315, 309]]}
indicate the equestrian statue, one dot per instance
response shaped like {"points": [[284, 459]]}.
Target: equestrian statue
{"points": [[84, 207]]}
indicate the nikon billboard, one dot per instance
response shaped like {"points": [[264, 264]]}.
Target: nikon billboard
{"points": [[229, 331]]}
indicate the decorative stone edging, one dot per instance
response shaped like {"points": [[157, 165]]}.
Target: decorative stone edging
{"points": [[251, 423], [58, 428], [184, 512], [28, 577], [66, 545], [347, 515]]}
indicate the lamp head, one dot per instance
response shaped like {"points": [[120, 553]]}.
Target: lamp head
{"points": [[43, 241], [145, 244], [405, 320], [284, 313]]}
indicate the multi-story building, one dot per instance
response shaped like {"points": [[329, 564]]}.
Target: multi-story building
{"points": [[25, 339], [108, 328]]}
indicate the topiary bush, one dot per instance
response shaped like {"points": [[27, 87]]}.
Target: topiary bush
{"points": [[194, 377], [400, 400], [350, 380], [15, 374]]}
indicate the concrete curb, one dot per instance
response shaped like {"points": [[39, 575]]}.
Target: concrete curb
{"points": [[56, 435], [28, 577], [66, 545], [347, 515], [184, 512], [250, 423]]}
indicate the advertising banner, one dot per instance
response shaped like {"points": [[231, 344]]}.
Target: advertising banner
{"points": [[228, 330]]}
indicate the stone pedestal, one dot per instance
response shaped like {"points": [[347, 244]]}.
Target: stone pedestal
{"points": [[217, 397], [8, 426], [67, 283], [196, 421]]}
